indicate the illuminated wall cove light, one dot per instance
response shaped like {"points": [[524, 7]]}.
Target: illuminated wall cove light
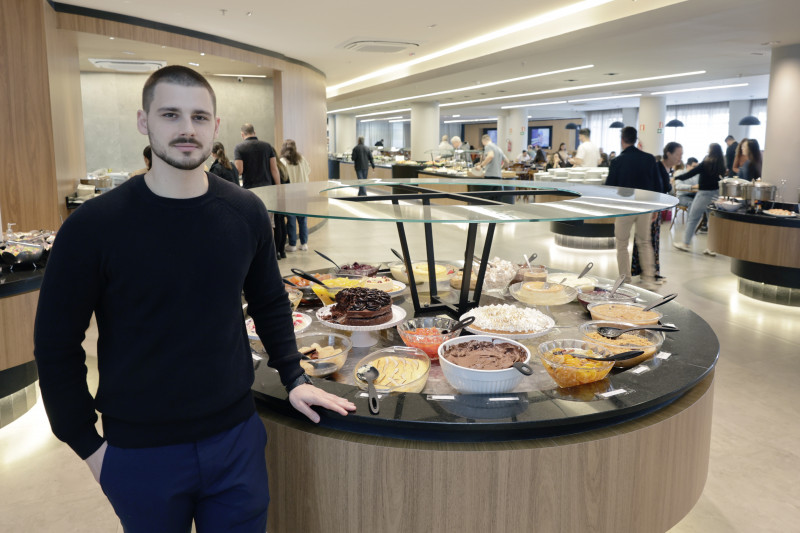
{"points": [[551, 16]]}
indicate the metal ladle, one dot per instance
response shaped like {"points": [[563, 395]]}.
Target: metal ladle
{"points": [[610, 332]]}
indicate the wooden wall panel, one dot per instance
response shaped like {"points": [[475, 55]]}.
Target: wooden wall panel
{"points": [[17, 314], [28, 194], [758, 243], [66, 108]]}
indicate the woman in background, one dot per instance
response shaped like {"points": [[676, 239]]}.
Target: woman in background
{"points": [[563, 156], [222, 166], [711, 170], [739, 158], [750, 169], [298, 170]]}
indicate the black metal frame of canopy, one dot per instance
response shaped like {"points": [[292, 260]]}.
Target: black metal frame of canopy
{"points": [[416, 192]]}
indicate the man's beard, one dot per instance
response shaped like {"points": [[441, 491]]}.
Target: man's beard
{"points": [[184, 163]]}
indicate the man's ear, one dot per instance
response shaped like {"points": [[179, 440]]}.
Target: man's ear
{"points": [[141, 122]]}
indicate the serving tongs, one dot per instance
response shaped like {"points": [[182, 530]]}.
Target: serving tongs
{"points": [[622, 356], [305, 275], [338, 268]]}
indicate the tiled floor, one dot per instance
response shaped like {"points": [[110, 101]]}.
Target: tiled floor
{"points": [[755, 463]]}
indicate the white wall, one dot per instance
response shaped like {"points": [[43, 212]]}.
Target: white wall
{"points": [[110, 102]]}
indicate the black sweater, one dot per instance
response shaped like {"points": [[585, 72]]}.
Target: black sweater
{"points": [[164, 278], [708, 180]]}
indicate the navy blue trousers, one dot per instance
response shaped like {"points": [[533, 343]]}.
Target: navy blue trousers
{"points": [[219, 482]]}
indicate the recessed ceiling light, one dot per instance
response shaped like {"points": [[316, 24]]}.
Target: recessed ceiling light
{"points": [[545, 18], [703, 88], [431, 26], [579, 87], [202, 53], [111, 38], [460, 89], [194, 64], [456, 116]]}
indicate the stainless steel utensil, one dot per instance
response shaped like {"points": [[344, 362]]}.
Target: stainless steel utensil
{"points": [[610, 332]]}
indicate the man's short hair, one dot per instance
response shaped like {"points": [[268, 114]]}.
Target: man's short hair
{"points": [[628, 135], [486, 137], [586, 132], [360, 139], [455, 138], [729, 138], [691, 161], [178, 75], [248, 129], [444, 138]]}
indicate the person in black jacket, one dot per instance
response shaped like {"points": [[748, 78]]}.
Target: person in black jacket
{"points": [[711, 170], [730, 154], [635, 169], [222, 166], [362, 160]]}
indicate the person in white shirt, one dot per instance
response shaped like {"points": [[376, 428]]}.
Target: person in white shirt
{"points": [[588, 154], [524, 156], [445, 148]]}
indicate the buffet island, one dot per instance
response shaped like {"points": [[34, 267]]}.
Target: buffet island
{"points": [[764, 248], [625, 449]]}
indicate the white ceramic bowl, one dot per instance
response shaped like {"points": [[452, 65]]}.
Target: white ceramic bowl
{"points": [[472, 381]]}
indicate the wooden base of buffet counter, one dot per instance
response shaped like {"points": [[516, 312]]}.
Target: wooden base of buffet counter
{"points": [[17, 369], [640, 476]]}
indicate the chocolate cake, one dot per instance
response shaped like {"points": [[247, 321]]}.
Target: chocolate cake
{"points": [[361, 307]]}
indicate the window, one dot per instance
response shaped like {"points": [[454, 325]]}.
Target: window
{"points": [[703, 124], [603, 136], [758, 108]]}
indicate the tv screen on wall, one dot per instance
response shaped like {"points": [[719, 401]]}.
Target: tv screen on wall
{"points": [[541, 136]]}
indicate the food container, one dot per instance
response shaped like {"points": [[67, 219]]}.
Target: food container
{"points": [[473, 381], [428, 336], [447, 271], [649, 341], [405, 352], [572, 280], [760, 191], [570, 371], [305, 286], [320, 368], [600, 293], [21, 253], [729, 205], [357, 270], [541, 293], [100, 182], [295, 296], [624, 312], [733, 188]]}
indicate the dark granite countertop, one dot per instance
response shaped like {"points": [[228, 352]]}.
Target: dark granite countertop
{"points": [[761, 218], [537, 408], [20, 280]]}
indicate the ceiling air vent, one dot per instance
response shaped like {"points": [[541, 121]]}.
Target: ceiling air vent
{"points": [[128, 65], [379, 47]]}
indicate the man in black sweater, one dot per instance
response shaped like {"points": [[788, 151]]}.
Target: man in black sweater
{"points": [[730, 153], [635, 169], [362, 160], [162, 262]]}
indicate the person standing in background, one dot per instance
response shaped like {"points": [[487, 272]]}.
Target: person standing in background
{"points": [[730, 153], [222, 166], [445, 148], [257, 165], [711, 171], [588, 154], [362, 160], [635, 169], [493, 161], [563, 156], [182, 441], [298, 171], [750, 168], [673, 153]]}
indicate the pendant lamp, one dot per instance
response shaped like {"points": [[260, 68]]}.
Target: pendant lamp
{"points": [[750, 120]]}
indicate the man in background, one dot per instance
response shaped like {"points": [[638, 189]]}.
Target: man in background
{"points": [[255, 160], [588, 154], [493, 161], [635, 169], [362, 160], [730, 153], [445, 148]]}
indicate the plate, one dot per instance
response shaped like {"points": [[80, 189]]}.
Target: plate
{"points": [[566, 296], [301, 322], [768, 212], [397, 289], [398, 315], [515, 336]]}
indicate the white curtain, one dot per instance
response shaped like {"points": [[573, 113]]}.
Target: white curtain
{"points": [[703, 124], [606, 138], [758, 108]]}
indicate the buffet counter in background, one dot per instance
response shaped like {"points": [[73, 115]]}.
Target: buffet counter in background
{"points": [[19, 295], [764, 252]]}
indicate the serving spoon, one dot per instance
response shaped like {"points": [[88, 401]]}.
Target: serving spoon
{"points": [[662, 301], [616, 286], [586, 269], [459, 325], [611, 332], [622, 356], [370, 375], [305, 275], [328, 259]]}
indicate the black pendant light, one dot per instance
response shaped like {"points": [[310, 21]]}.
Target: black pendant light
{"points": [[750, 120], [572, 126], [617, 124], [674, 123]]}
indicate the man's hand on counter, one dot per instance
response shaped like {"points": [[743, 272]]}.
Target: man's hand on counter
{"points": [[304, 396]]}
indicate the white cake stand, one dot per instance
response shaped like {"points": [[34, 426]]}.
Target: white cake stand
{"points": [[363, 336]]}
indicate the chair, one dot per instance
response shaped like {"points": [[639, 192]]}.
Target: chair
{"points": [[683, 210]]}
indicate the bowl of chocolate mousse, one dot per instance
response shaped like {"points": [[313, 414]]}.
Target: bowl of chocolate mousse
{"points": [[482, 364]]}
